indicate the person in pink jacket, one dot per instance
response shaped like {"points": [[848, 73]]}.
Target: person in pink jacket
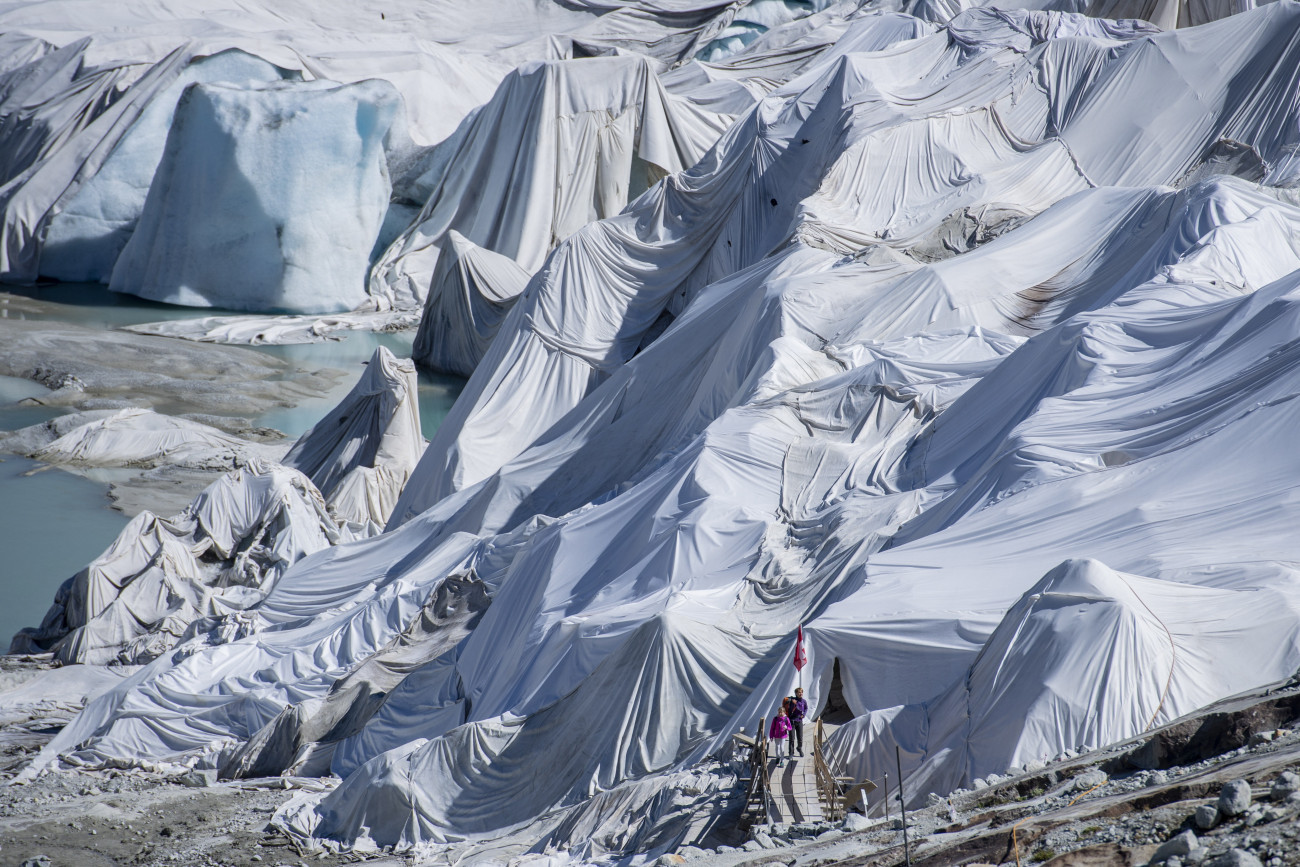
{"points": [[780, 733]]}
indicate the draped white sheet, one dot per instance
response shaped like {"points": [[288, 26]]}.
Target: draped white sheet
{"points": [[948, 311]]}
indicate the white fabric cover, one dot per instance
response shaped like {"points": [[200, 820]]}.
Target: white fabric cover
{"points": [[786, 170], [471, 291], [142, 438], [560, 144], [74, 81], [230, 546], [1087, 657], [362, 452], [946, 313], [219, 556]]}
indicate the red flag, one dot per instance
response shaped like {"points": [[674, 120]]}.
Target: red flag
{"points": [[800, 658]]}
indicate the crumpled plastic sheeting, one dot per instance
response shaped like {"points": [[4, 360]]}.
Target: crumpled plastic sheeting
{"points": [[363, 610], [362, 452], [587, 310], [975, 96], [884, 630], [305, 734], [863, 444], [734, 83], [471, 291], [64, 139], [1163, 14], [74, 85], [561, 143], [228, 549], [143, 438], [1087, 657], [160, 575]]}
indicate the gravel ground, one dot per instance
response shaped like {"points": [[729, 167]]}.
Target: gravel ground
{"points": [[1237, 765], [1131, 804]]}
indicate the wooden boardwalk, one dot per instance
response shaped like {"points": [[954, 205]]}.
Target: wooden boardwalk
{"points": [[794, 790]]}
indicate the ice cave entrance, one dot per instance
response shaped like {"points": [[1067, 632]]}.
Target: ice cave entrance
{"points": [[836, 710]]}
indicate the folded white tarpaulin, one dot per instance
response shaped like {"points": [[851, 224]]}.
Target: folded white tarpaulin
{"points": [[89, 98], [219, 556], [946, 314], [560, 144], [813, 552], [143, 438], [227, 550], [362, 452], [470, 293], [1086, 657], [766, 182]]}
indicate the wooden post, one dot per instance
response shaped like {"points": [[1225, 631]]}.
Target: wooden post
{"points": [[762, 767], [902, 804]]}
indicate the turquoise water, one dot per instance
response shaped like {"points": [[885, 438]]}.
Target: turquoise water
{"points": [[53, 523], [12, 414]]}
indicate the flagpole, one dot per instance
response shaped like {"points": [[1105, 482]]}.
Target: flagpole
{"points": [[800, 658]]}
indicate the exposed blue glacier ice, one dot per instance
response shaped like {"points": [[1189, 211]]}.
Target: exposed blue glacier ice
{"points": [[267, 198]]}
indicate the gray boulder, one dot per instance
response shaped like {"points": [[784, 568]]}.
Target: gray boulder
{"points": [[1286, 783], [1206, 816], [199, 779], [1235, 858], [1234, 798], [1176, 846], [1089, 779]]}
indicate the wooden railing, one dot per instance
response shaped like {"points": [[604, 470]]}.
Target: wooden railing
{"points": [[758, 795], [837, 794]]}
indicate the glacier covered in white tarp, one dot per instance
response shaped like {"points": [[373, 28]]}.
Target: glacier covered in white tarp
{"points": [[560, 144], [962, 338]]}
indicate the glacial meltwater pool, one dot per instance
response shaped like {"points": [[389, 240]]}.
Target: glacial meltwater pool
{"points": [[53, 522]]}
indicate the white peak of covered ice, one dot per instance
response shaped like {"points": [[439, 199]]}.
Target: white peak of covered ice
{"points": [[965, 346]]}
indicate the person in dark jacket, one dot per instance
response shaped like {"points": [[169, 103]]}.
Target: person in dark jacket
{"points": [[798, 709]]}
